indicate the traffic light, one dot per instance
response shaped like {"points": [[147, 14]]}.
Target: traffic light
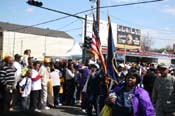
{"points": [[34, 3], [87, 42]]}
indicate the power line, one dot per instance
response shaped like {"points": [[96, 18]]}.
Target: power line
{"points": [[68, 24], [34, 25], [164, 32], [129, 4], [119, 19], [73, 29], [53, 20]]}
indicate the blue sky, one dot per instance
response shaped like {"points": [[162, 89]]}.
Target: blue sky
{"points": [[156, 20]]}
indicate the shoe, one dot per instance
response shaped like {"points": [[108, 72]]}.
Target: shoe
{"points": [[83, 110], [11, 109], [56, 106], [46, 108], [76, 101], [37, 110], [60, 104]]}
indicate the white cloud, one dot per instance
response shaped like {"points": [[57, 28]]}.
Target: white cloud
{"points": [[168, 9], [29, 10], [167, 28], [166, 32], [160, 37]]}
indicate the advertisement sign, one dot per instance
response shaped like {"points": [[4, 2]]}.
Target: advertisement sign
{"points": [[125, 38], [128, 36]]}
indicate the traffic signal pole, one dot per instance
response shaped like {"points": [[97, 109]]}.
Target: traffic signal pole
{"points": [[39, 4], [62, 12]]}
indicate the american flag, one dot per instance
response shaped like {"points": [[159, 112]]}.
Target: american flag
{"points": [[96, 45]]}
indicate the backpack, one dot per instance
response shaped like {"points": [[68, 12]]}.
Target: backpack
{"points": [[22, 87]]}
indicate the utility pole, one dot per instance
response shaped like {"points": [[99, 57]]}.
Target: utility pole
{"points": [[98, 13], [84, 48]]}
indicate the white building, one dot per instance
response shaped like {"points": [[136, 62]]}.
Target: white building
{"points": [[42, 42]]}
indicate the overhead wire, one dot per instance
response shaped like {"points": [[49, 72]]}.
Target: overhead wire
{"points": [[119, 5], [139, 25], [71, 23], [64, 26], [164, 32], [68, 24], [73, 29], [129, 4]]}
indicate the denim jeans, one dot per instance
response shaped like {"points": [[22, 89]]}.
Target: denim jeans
{"points": [[56, 90], [25, 103]]}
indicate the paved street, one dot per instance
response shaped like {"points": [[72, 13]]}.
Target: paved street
{"points": [[65, 111], [60, 111]]}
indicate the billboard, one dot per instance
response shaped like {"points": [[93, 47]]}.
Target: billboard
{"points": [[128, 37], [124, 37]]}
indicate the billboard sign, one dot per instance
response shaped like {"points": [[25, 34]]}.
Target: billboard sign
{"points": [[128, 36], [124, 37]]}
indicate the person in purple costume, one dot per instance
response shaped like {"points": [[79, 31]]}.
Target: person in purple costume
{"points": [[81, 82], [128, 99]]}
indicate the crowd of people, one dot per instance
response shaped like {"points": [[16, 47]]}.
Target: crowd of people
{"points": [[144, 89]]}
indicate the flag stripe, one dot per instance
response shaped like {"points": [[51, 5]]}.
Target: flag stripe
{"points": [[96, 46]]}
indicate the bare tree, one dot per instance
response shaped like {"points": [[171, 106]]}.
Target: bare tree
{"points": [[146, 43], [168, 47]]}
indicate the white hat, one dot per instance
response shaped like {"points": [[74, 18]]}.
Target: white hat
{"points": [[92, 63], [121, 65], [57, 60]]}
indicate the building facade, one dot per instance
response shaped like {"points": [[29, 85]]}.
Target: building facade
{"points": [[42, 42]]}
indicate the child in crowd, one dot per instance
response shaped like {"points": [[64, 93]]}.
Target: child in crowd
{"points": [[25, 89]]}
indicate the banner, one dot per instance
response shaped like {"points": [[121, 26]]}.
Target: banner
{"points": [[128, 36]]}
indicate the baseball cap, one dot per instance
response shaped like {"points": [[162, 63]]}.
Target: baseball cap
{"points": [[47, 60], [17, 56], [163, 65]]}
